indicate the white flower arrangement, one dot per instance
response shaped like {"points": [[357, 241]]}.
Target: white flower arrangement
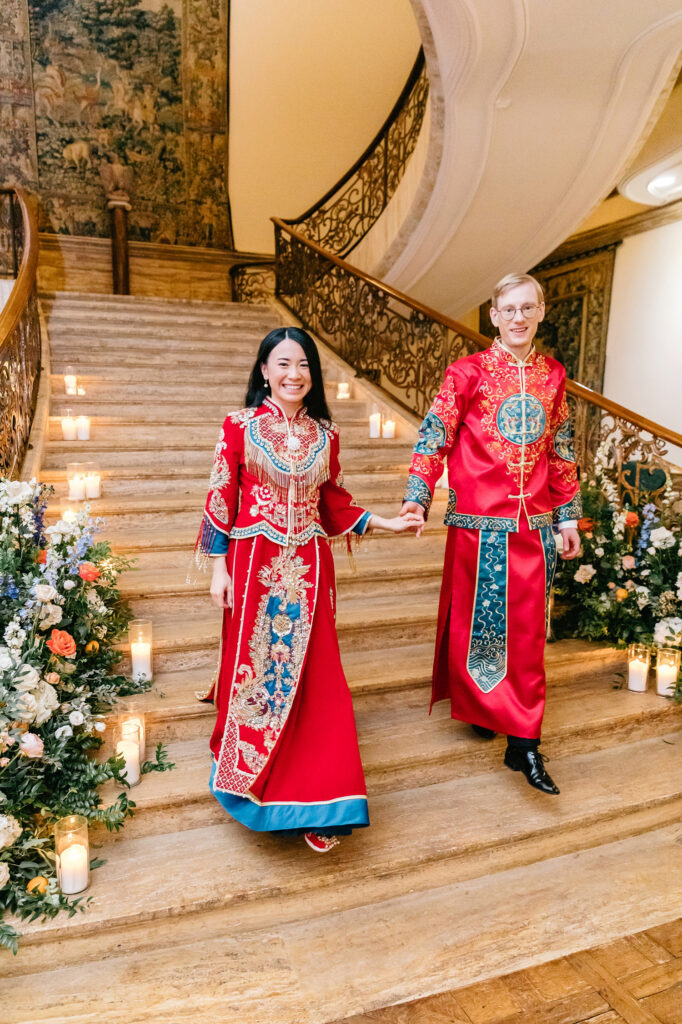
{"points": [[584, 573]]}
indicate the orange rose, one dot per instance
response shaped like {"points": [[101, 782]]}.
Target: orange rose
{"points": [[42, 557], [38, 884], [631, 519], [88, 572], [622, 594], [586, 524], [62, 643]]}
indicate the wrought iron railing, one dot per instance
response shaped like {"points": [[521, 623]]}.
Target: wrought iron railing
{"points": [[346, 212], [404, 347], [19, 327]]}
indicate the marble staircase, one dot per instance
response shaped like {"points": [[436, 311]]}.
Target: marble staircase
{"points": [[465, 874]]}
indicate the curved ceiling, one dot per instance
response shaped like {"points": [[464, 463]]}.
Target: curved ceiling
{"points": [[540, 107]]}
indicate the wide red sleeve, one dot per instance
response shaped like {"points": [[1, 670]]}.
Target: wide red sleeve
{"points": [[338, 512], [436, 437], [564, 488], [223, 493]]}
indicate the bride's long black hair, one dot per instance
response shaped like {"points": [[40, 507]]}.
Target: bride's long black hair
{"points": [[315, 401]]}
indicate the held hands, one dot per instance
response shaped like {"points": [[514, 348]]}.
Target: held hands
{"points": [[398, 524], [221, 584], [413, 511], [571, 539]]}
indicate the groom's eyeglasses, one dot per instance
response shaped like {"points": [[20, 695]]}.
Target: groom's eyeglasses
{"points": [[528, 311]]}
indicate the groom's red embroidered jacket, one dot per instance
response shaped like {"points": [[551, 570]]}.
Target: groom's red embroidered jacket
{"points": [[503, 426]]}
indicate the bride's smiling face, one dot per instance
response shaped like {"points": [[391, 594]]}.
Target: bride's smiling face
{"points": [[288, 374]]}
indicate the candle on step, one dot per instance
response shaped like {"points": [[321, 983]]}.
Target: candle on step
{"points": [[388, 428], [68, 426], [75, 475], [83, 428], [141, 648], [70, 381], [667, 670], [639, 657], [92, 484], [375, 423], [129, 749], [80, 390], [133, 724], [72, 851], [343, 389]]}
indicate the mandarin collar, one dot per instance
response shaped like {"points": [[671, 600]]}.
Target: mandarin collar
{"points": [[510, 357], [273, 406]]}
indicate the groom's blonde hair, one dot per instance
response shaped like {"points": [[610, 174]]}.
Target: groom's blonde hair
{"points": [[511, 281]]}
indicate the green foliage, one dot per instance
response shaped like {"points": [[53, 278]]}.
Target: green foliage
{"points": [[61, 623]]}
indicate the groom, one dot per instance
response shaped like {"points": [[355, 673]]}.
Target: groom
{"points": [[500, 421]]}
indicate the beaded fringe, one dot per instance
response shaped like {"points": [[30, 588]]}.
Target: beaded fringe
{"points": [[260, 465], [202, 550]]}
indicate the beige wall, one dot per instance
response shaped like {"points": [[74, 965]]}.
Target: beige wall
{"points": [[311, 82], [644, 348]]}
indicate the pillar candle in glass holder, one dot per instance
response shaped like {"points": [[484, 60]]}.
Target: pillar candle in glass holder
{"points": [[75, 475], [343, 390], [83, 428], [70, 381], [375, 423], [388, 428], [69, 427], [132, 719], [72, 851], [92, 480], [127, 744], [639, 657], [141, 648], [667, 670]]}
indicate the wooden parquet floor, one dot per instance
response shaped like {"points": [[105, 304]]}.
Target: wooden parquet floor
{"points": [[635, 980]]}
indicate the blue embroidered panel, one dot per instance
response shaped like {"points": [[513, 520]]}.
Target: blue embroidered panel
{"points": [[510, 419], [550, 553], [258, 432], [540, 519], [432, 435], [563, 441], [487, 659], [417, 490], [573, 509], [496, 524], [451, 507], [362, 524]]}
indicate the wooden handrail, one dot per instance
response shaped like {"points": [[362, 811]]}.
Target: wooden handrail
{"points": [[572, 387], [26, 278]]}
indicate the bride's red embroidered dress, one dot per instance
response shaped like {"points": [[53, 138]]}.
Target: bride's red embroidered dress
{"points": [[285, 749]]}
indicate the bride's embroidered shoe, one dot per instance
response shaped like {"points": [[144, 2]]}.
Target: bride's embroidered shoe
{"points": [[321, 844]]}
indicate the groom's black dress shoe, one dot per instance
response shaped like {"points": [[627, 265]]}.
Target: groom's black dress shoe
{"points": [[531, 764], [485, 734]]}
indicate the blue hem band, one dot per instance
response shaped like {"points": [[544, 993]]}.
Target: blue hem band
{"points": [[294, 818]]}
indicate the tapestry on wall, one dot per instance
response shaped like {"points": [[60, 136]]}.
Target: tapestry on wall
{"points": [[577, 297], [129, 94]]}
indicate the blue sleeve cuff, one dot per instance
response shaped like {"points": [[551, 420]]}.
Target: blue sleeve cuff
{"points": [[220, 544], [362, 524]]}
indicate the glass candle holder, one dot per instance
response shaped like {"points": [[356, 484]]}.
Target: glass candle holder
{"points": [[69, 428], [72, 850], [70, 381], [128, 745], [639, 658], [375, 423], [667, 670], [343, 390], [83, 428], [93, 480], [75, 476], [141, 648], [131, 717]]}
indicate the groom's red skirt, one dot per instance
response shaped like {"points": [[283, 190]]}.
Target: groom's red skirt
{"points": [[492, 624]]}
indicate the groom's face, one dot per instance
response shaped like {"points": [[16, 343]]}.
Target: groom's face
{"points": [[518, 329]]}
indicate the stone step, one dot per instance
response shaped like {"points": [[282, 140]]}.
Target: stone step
{"points": [[398, 677], [507, 854], [99, 305], [402, 747], [187, 411]]}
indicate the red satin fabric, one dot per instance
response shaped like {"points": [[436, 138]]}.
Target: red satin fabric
{"points": [[516, 705], [316, 758]]}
